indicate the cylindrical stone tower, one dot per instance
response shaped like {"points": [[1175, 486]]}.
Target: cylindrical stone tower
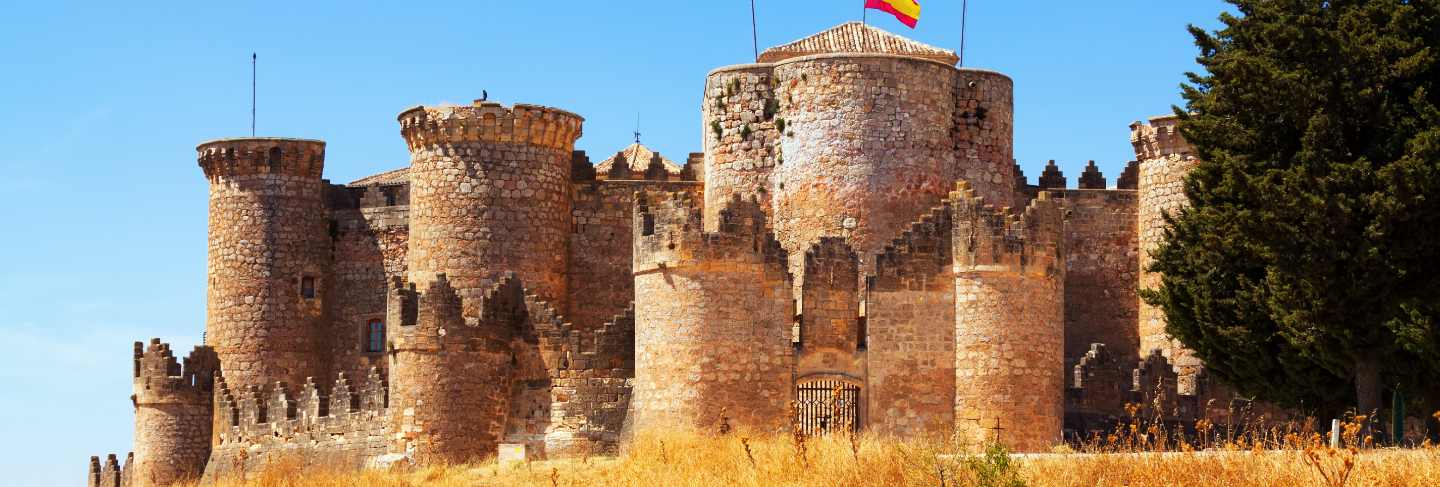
{"points": [[269, 251], [1009, 313], [450, 381], [984, 133], [867, 150], [740, 134], [173, 404], [713, 316], [490, 193], [1165, 158]]}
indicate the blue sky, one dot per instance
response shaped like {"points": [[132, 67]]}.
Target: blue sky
{"points": [[102, 104]]}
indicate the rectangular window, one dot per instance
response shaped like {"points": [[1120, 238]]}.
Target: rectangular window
{"points": [[307, 287], [375, 336]]}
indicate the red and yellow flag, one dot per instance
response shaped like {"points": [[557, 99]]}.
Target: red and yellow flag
{"points": [[907, 11]]}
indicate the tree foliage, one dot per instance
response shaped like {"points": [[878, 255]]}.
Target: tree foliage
{"points": [[1307, 269]]}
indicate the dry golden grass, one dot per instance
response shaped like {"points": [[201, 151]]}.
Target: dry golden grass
{"points": [[689, 459]]}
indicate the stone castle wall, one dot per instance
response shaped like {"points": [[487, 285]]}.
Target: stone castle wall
{"points": [[372, 230], [1100, 272], [713, 313], [601, 285], [340, 425], [1009, 340], [490, 193], [910, 320], [268, 248], [830, 341]]}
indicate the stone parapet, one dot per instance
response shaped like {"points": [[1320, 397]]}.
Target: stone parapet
{"points": [[262, 156], [489, 122], [161, 379], [1160, 138]]}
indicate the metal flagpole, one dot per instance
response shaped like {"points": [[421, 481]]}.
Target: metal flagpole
{"points": [[754, 36], [864, 12], [964, 13], [253, 58]]}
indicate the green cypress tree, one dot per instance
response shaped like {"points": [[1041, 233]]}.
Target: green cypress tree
{"points": [[1307, 269]]}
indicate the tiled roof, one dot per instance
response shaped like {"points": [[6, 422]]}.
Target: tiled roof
{"points": [[638, 156], [394, 176], [857, 37]]}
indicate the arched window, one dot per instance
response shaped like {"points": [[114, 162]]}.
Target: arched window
{"points": [[375, 336]]}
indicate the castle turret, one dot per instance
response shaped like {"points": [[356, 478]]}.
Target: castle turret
{"points": [[713, 314], [173, 406], [268, 259], [450, 380], [851, 133], [1009, 340], [1165, 158], [490, 193]]}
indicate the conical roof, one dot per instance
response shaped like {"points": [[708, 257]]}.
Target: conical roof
{"points": [[857, 38], [638, 156]]}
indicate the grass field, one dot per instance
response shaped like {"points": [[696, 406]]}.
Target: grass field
{"points": [[692, 459]]}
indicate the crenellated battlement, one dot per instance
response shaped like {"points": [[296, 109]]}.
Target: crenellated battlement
{"points": [[1159, 139], [111, 473], [669, 233], [262, 415], [489, 122], [432, 320], [161, 379], [258, 156], [989, 239], [921, 252], [1092, 178]]}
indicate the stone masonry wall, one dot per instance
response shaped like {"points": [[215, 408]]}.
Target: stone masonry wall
{"points": [[268, 240], [713, 316], [370, 242], [1009, 340], [910, 317], [490, 193], [601, 285], [1100, 273], [830, 311], [741, 136], [451, 380], [172, 414], [871, 148], [1164, 158], [983, 131], [342, 425], [572, 389]]}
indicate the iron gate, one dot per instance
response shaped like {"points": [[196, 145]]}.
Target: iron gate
{"points": [[827, 406]]}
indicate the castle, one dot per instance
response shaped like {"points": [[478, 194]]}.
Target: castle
{"points": [[855, 248]]}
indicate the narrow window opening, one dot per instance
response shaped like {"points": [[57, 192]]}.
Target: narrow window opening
{"points": [[375, 336], [274, 159], [648, 225], [860, 329], [307, 287]]}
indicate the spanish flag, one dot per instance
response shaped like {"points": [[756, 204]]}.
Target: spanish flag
{"points": [[907, 11]]}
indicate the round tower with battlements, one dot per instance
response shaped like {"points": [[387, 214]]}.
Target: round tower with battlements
{"points": [[173, 406], [854, 132], [1009, 313], [1165, 158], [490, 193], [268, 258], [713, 314]]}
